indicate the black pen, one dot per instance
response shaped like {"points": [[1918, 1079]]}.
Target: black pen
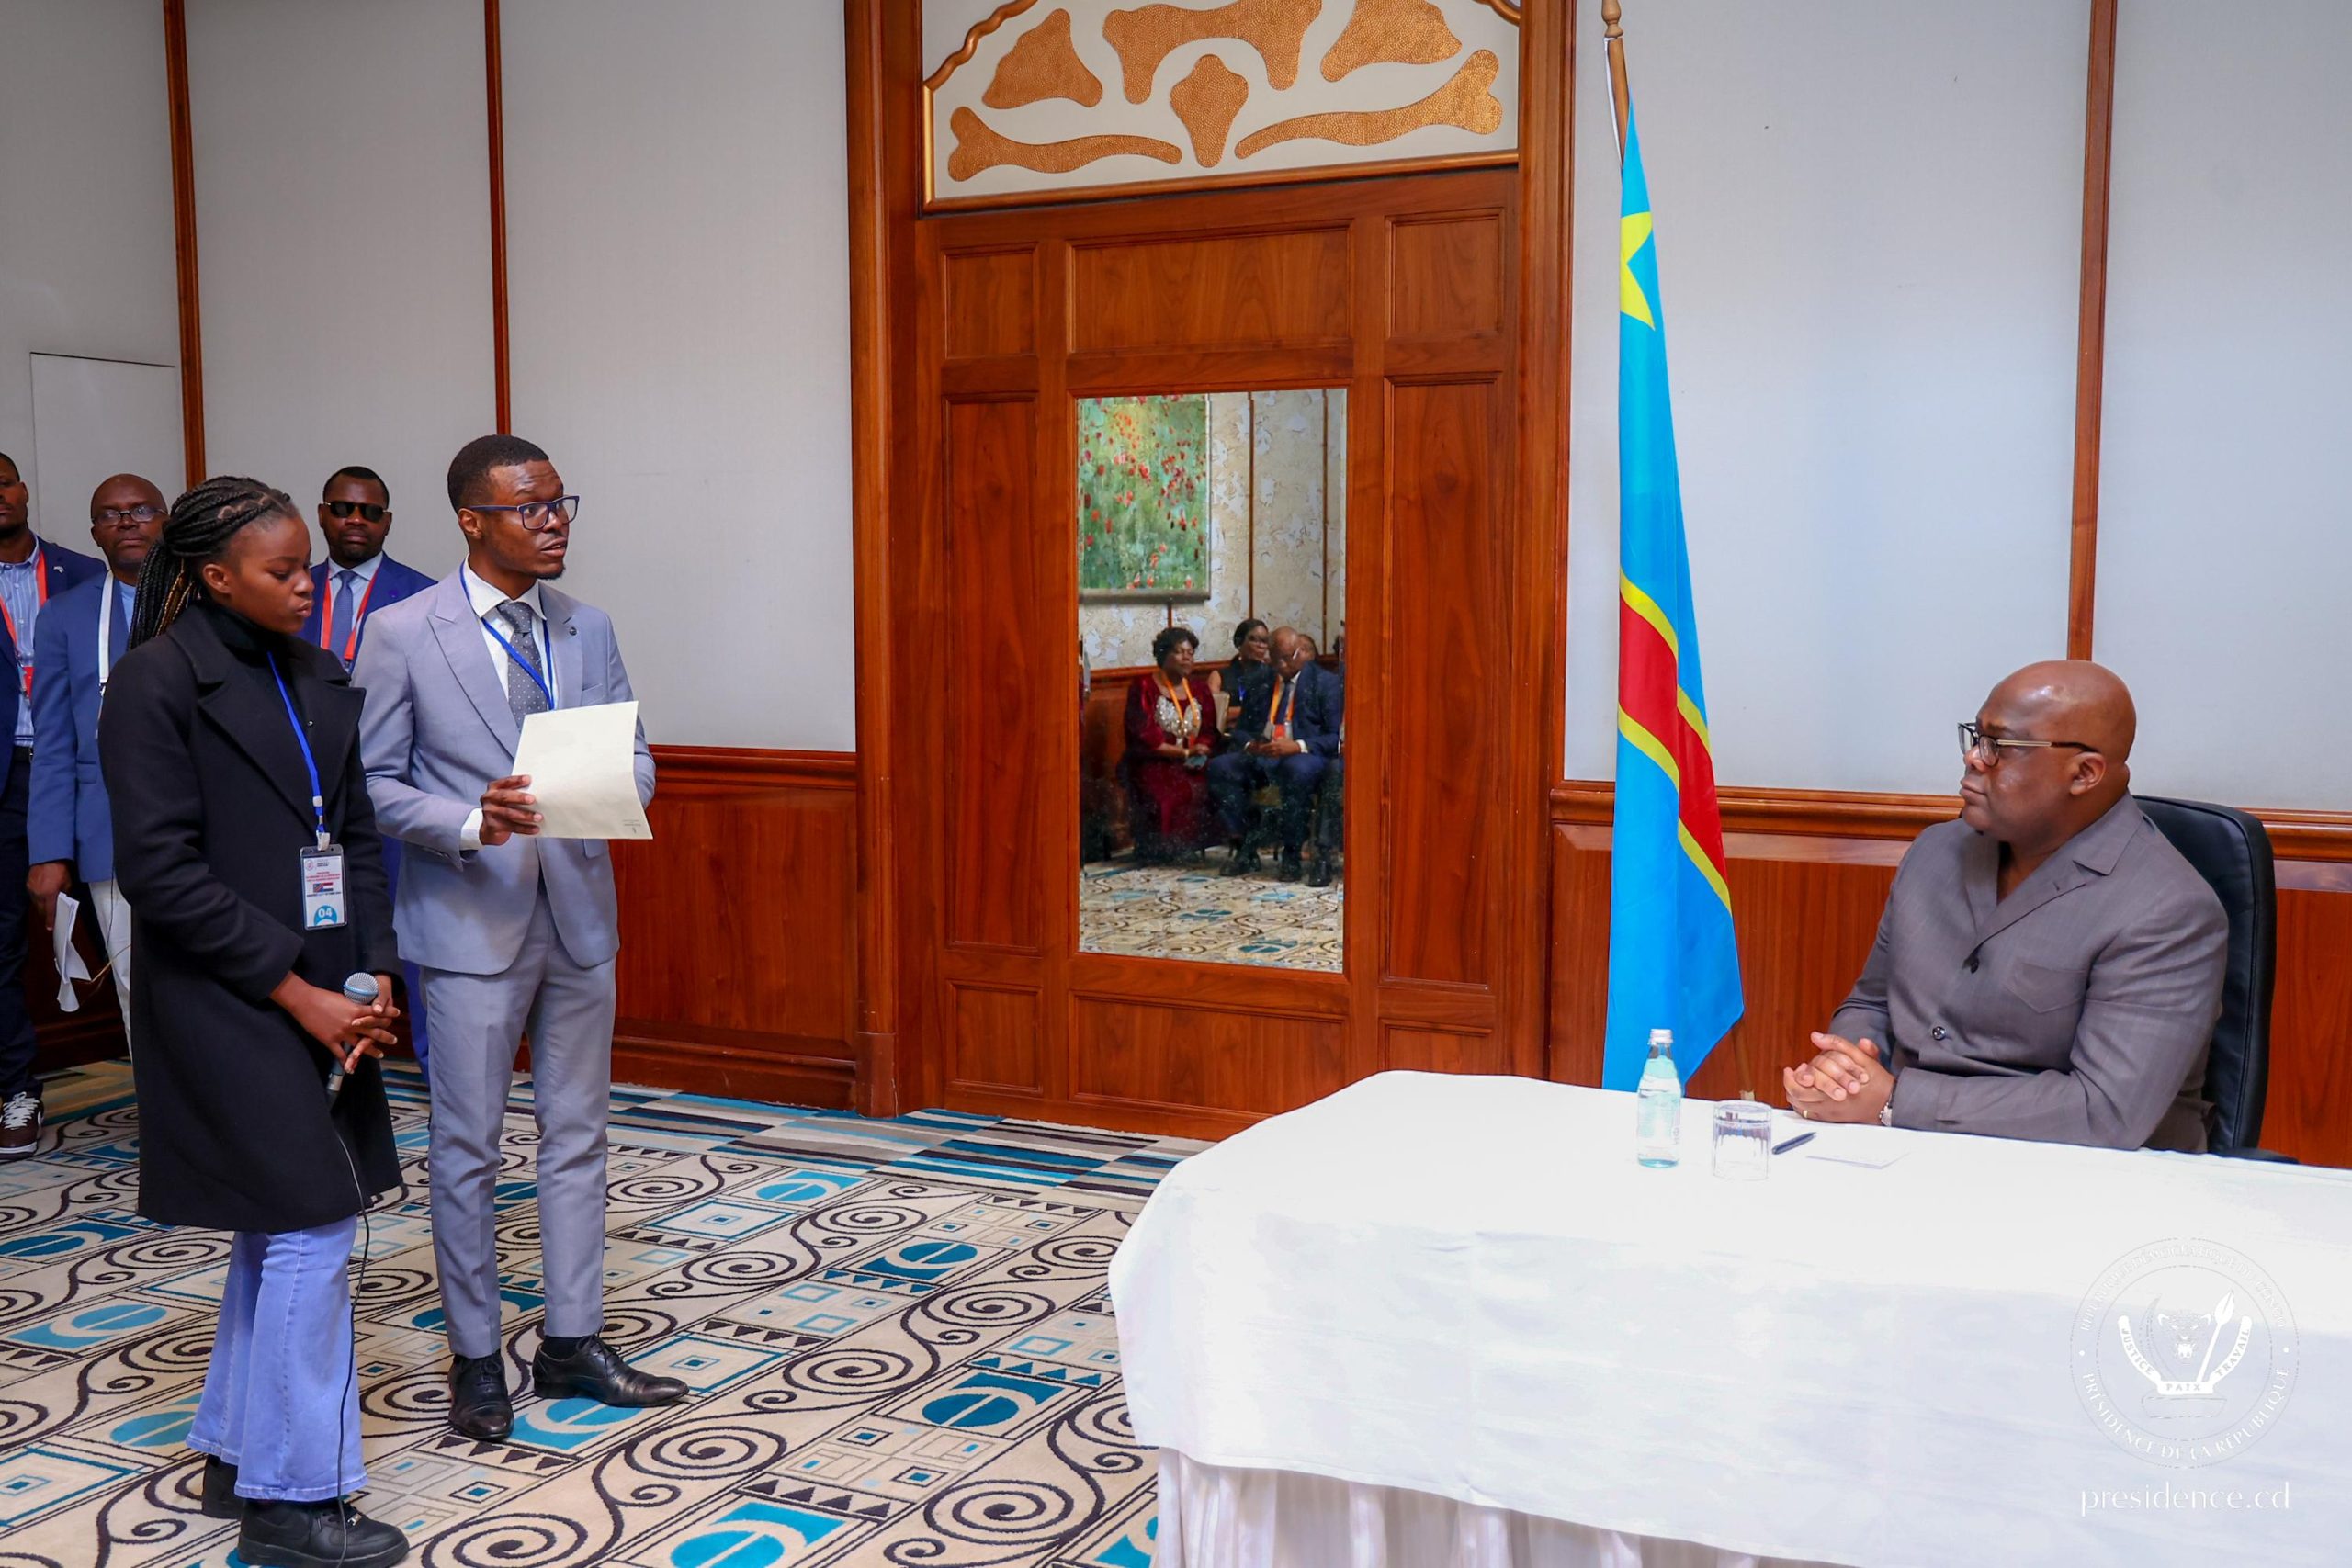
{"points": [[1797, 1142]]}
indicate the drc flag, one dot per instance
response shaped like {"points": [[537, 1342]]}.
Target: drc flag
{"points": [[1672, 963]]}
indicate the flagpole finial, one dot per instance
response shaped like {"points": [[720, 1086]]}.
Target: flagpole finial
{"points": [[1612, 15]]}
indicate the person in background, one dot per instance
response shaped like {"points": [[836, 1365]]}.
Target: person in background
{"points": [[2049, 966], [515, 933], [1171, 730], [1288, 729], [356, 580], [82, 635], [1252, 658], [246, 842], [30, 571]]}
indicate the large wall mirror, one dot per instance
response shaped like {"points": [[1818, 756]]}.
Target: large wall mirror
{"points": [[1211, 584]]}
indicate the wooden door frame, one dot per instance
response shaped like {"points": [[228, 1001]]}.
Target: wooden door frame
{"points": [[894, 411]]}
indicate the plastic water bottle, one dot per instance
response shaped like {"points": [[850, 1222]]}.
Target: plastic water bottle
{"points": [[1657, 1105]]}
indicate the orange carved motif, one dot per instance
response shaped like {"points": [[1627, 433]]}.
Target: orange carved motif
{"points": [[1465, 101], [1206, 102], [1043, 64], [1275, 28]]}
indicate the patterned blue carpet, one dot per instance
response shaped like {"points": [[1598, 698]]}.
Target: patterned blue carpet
{"points": [[895, 1332]]}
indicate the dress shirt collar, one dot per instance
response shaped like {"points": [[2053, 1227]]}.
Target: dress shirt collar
{"points": [[27, 564], [365, 572], [486, 599]]}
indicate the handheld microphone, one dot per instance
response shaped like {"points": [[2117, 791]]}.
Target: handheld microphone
{"points": [[360, 988]]}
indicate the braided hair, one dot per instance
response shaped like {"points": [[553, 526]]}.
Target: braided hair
{"points": [[199, 529]]}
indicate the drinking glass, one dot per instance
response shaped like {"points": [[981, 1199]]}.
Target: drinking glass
{"points": [[1744, 1140]]}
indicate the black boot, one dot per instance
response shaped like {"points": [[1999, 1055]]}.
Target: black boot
{"points": [[219, 1491], [332, 1534], [478, 1406], [590, 1369], [1244, 862]]}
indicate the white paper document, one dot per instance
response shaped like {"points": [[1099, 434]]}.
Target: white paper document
{"points": [[70, 966], [582, 766]]}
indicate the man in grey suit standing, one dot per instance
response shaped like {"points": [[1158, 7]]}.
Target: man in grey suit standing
{"points": [[2049, 966], [513, 933]]}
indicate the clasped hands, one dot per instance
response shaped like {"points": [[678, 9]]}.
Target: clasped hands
{"points": [[1847, 1082], [352, 1031]]}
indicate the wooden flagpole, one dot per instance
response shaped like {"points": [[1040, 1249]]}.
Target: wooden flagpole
{"points": [[1612, 21]]}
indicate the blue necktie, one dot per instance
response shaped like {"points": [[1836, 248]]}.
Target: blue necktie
{"points": [[339, 631]]}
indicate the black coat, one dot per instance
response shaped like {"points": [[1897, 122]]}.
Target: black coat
{"points": [[211, 813]]}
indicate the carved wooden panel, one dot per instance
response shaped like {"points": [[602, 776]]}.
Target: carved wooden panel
{"points": [[992, 1039], [1446, 277], [1443, 1051], [1195, 1058], [990, 300], [1450, 700], [724, 985], [1230, 291], [1035, 100], [997, 675]]}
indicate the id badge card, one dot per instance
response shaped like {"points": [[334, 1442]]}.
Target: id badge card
{"points": [[322, 895]]}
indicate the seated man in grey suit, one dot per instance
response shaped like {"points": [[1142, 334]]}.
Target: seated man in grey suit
{"points": [[2049, 966], [513, 933]]}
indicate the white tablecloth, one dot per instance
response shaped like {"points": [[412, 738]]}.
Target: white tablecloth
{"points": [[1466, 1287]]}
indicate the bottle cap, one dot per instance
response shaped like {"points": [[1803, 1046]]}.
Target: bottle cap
{"points": [[1661, 1037]]}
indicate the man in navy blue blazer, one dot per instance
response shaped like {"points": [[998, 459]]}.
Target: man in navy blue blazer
{"points": [[1288, 733], [30, 573], [357, 579], [86, 629]]}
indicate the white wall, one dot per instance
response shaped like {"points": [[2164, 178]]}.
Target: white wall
{"points": [[342, 229], [678, 262], [1868, 226], [85, 212], [2225, 511]]}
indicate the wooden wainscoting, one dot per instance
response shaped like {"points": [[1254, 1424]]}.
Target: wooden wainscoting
{"points": [[1809, 875], [738, 972]]}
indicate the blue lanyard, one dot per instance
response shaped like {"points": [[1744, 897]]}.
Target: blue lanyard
{"points": [[309, 764], [520, 662]]}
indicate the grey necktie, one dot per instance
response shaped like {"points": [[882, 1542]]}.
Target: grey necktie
{"points": [[524, 694]]}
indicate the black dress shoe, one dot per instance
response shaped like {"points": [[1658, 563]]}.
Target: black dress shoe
{"points": [[1320, 874], [1243, 862], [219, 1490], [1288, 868], [332, 1534], [478, 1406], [595, 1370]]}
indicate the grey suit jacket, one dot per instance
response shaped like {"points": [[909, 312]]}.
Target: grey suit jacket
{"points": [[436, 731], [2077, 1010]]}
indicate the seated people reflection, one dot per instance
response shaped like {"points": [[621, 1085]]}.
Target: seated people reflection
{"points": [[1171, 730], [1252, 657], [1289, 730], [2049, 966]]}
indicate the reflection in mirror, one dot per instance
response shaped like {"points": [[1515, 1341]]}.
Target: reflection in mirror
{"points": [[1212, 585]]}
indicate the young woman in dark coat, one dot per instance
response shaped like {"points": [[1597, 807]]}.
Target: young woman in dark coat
{"points": [[237, 999]]}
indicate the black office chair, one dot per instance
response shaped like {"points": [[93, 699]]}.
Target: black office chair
{"points": [[2231, 851]]}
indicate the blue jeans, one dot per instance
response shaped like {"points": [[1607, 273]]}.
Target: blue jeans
{"points": [[280, 1402]]}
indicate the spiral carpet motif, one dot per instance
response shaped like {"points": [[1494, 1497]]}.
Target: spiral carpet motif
{"points": [[896, 1333]]}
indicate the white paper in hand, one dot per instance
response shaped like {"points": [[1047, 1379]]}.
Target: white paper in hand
{"points": [[582, 766], [70, 966]]}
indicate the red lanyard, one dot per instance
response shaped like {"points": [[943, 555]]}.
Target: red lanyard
{"points": [[359, 619], [24, 654]]}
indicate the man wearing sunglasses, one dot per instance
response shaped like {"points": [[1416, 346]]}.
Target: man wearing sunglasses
{"points": [[2049, 966], [357, 579]]}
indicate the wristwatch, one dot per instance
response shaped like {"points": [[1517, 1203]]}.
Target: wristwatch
{"points": [[1886, 1113]]}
